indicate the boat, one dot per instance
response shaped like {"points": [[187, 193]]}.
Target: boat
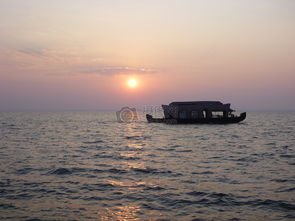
{"points": [[197, 112]]}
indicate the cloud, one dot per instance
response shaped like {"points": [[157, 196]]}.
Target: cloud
{"points": [[69, 62], [112, 70], [32, 51]]}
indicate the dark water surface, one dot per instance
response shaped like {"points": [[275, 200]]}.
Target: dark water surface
{"points": [[87, 166]]}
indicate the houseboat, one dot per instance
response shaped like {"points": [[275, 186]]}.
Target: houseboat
{"points": [[197, 112]]}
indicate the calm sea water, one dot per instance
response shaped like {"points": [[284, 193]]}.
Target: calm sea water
{"points": [[87, 166]]}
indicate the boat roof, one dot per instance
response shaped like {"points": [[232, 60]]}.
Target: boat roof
{"points": [[196, 103]]}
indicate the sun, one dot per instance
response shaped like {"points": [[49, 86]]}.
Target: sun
{"points": [[132, 83]]}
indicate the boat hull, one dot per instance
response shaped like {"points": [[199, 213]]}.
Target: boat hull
{"points": [[221, 120]]}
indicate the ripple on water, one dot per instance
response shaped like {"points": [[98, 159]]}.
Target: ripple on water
{"points": [[75, 166], [149, 170], [93, 142], [61, 171]]}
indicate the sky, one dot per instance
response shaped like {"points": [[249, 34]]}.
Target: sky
{"points": [[79, 54]]}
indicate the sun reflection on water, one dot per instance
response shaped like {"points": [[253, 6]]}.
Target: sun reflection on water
{"points": [[134, 144], [120, 213]]}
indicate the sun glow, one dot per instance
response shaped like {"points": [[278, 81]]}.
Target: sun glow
{"points": [[132, 83]]}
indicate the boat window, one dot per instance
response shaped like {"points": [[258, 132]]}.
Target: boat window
{"points": [[194, 114], [204, 114], [182, 115], [217, 114]]}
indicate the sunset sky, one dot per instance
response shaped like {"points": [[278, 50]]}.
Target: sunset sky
{"points": [[79, 54]]}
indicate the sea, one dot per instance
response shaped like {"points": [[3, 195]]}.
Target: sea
{"points": [[88, 166]]}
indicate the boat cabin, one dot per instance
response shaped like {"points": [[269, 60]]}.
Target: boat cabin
{"points": [[197, 110]]}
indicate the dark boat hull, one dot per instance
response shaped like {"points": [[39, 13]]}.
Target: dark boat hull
{"points": [[221, 120]]}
